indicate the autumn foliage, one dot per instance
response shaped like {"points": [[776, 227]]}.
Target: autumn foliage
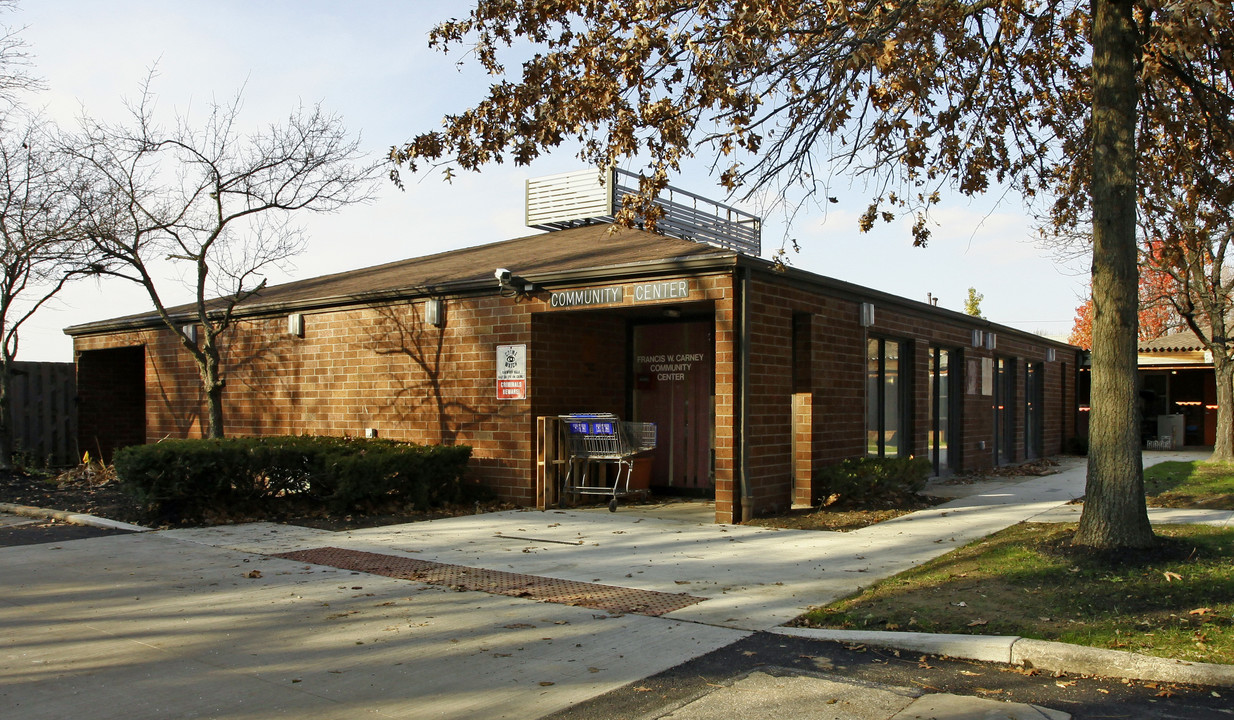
{"points": [[1157, 317], [1044, 97]]}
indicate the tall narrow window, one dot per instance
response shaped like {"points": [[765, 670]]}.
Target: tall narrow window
{"points": [[941, 379], [1032, 410], [1004, 410], [884, 398]]}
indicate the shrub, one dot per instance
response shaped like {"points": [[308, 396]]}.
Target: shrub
{"points": [[182, 479], [860, 480]]}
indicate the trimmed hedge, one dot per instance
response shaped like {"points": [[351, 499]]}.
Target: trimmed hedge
{"points": [[865, 479], [186, 478]]}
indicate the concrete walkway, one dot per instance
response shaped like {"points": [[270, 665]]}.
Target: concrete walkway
{"points": [[752, 578], [206, 623], [146, 626]]}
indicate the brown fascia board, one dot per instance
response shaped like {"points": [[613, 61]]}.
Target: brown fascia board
{"points": [[840, 288], [721, 260], [653, 268]]}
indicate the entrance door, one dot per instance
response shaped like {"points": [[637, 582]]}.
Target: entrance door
{"points": [[674, 374]]}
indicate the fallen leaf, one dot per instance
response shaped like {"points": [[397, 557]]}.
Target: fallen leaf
{"points": [[978, 621], [970, 673], [253, 574], [546, 683], [1200, 611], [1171, 576]]}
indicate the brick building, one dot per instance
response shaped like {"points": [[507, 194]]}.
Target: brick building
{"points": [[756, 376]]}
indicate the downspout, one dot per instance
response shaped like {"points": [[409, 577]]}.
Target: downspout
{"points": [[742, 401]]}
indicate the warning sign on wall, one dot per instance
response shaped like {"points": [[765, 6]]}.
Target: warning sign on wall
{"points": [[511, 372]]}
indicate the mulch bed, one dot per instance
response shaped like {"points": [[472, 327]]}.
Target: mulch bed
{"points": [[72, 494], [102, 496]]}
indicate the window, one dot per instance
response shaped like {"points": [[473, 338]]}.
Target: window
{"points": [[1004, 410], [942, 384], [885, 399], [1033, 382]]}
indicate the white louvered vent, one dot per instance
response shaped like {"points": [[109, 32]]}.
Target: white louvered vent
{"points": [[589, 196]]}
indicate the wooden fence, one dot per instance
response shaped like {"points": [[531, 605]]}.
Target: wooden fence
{"points": [[44, 404]]}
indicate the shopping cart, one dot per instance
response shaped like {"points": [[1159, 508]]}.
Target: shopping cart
{"points": [[599, 438]]}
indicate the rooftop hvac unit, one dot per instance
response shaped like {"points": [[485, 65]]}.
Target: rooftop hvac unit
{"points": [[584, 197]]}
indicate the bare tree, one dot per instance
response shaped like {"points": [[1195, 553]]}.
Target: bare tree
{"points": [[41, 230], [39, 218], [217, 204], [1187, 217], [15, 79]]}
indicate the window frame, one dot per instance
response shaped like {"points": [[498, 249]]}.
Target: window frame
{"points": [[876, 407]]}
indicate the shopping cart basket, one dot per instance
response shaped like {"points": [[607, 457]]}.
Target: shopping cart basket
{"points": [[599, 438]]}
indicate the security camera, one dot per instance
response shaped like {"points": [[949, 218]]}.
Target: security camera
{"points": [[503, 275]]}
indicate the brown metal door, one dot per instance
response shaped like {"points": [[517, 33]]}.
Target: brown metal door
{"points": [[674, 374]]}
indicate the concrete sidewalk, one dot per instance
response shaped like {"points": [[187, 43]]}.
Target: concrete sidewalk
{"points": [[205, 622], [145, 626], [753, 578]]}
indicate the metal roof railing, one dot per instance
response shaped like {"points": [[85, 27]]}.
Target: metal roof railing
{"points": [[589, 196]]}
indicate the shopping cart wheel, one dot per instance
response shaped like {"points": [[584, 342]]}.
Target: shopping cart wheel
{"points": [[612, 505]]}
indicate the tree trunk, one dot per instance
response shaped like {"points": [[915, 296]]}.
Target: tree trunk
{"points": [[212, 383], [1115, 515], [1223, 368]]}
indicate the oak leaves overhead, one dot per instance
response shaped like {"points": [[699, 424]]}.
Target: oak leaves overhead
{"points": [[912, 94]]}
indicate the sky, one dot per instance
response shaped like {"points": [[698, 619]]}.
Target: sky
{"points": [[369, 61]]}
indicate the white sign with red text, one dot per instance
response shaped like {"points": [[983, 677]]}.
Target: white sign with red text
{"points": [[511, 372]]}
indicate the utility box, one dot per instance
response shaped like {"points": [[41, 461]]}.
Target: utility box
{"points": [[1171, 427]]}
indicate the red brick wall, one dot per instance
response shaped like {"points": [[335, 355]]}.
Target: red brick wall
{"points": [[837, 377], [384, 368]]}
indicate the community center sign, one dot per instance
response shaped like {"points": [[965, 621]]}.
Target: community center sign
{"points": [[613, 294]]}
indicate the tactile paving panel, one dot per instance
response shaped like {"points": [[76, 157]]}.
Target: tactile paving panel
{"points": [[610, 598]]}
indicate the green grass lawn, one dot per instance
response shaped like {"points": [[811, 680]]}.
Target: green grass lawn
{"points": [[1190, 485], [1174, 601]]}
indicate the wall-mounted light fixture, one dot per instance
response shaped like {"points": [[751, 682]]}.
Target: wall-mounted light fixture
{"points": [[190, 332], [978, 338], [867, 314], [991, 341], [295, 324], [1050, 355], [435, 312]]}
